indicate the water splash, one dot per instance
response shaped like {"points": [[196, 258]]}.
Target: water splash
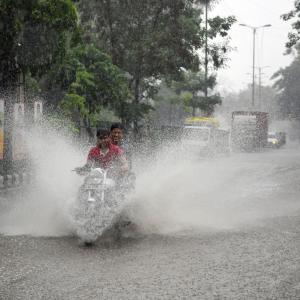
{"points": [[173, 193], [217, 194], [43, 208]]}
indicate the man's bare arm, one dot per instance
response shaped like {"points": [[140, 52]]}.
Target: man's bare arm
{"points": [[124, 163]]}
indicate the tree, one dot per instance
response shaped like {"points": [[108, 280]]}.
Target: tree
{"points": [[195, 84], [287, 82], [169, 106], [34, 34], [149, 39], [43, 42], [178, 99], [288, 87], [293, 36], [84, 83]]}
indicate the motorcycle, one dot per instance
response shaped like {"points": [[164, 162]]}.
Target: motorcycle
{"points": [[100, 201]]}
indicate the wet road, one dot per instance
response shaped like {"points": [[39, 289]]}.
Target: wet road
{"points": [[256, 259]]}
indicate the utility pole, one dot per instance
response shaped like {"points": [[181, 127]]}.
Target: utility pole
{"points": [[206, 49], [259, 86], [260, 73], [254, 29], [253, 68]]}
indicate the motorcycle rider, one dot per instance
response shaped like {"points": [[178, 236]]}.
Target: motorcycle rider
{"points": [[109, 157], [128, 181], [105, 155], [116, 134], [117, 138]]}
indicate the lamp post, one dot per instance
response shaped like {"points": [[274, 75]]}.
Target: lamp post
{"points": [[260, 73], [254, 29]]}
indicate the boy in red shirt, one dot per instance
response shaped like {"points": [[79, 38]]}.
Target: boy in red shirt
{"points": [[106, 155]]}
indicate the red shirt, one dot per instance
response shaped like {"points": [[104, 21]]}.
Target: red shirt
{"points": [[104, 160]]}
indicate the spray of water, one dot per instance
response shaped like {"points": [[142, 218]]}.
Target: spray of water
{"points": [[173, 193], [43, 208], [178, 192], [183, 194]]}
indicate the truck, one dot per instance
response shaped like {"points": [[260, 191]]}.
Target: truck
{"points": [[249, 130], [202, 136]]}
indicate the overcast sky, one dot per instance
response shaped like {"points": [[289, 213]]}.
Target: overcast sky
{"points": [[270, 41]]}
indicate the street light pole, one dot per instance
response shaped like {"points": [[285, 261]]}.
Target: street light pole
{"points": [[260, 73], [253, 68], [254, 29]]}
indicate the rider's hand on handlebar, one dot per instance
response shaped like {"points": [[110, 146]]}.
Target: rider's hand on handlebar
{"points": [[124, 169], [82, 170]]}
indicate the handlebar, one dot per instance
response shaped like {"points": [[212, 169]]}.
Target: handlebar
{"points": [[81, 170], [86, 169]]}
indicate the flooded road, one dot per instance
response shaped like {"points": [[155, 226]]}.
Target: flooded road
{"points": [[228, 228]]}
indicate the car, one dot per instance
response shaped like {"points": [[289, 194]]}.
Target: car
{"points": [[276, 139], [273, 140]]}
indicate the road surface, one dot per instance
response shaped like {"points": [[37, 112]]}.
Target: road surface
{"points": [[237, 238]]}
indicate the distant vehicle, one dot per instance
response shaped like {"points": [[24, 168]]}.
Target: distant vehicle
{"points": [[276, 139], [249, 130], [204, 137], [202, 122], [196, 139], [273, 140], [282, 138]]}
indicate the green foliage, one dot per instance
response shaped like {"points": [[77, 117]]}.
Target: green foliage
{"points": [[294, 36], [178, 99], [34, 35], [81, 70], [132, 111], [151, 39], [88, 81], [168, 106], [187, 99], [289, 89], [31, 85], [217, 51], [192, 88], [72, 103], [60, 123], [107, 115]]}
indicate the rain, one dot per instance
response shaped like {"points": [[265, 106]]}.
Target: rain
{"points": [[149, 149]]}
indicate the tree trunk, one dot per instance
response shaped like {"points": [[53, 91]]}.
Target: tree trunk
{"points": [[136, 100], [88, 128], [194, 111], [7, 128]]}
